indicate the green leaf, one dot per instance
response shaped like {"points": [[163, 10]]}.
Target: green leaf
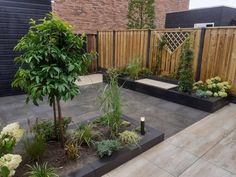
{"points": [[4, 171]]}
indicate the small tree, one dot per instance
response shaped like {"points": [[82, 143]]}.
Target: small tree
{"points": [[52, 59], [141, 14], [186, 75]]}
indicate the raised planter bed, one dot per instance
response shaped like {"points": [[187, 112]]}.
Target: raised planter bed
{"points": [[103, 166], [206, 104]]}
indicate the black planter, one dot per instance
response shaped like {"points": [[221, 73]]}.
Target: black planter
{"points": [[103, 166], [205, 104]]}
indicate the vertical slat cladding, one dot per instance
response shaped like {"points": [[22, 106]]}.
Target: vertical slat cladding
{"points": [[15, 16]]}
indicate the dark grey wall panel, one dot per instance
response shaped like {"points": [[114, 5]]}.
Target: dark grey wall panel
{"points": [[14, 23], [221, 16]]}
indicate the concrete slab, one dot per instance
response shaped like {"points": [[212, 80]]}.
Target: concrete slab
{"points": [[89, 79], [140, 168], [202, 136], [155, 83], [224, 153], [170, 158], [203, 168]]}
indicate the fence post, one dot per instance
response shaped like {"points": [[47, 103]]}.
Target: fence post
{"points": [[148, 48], [200, 53], [114, 49], [97, 50]]}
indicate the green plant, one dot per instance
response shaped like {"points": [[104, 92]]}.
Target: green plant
{"points": [[45, 128], [41, 171], [160, 45], [84, 135], [201, 93], [141, 14], [186, 72], [72, 150], [134, 68], [145, 72], [129, 137], [9, 136], [7, 143], [8, 165], [107, 147], [35, 148], [52, 59], [212, 87], [110, 104]]}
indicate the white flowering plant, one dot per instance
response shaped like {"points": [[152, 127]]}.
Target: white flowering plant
{"points": [[213, 87], [9, 136], [8, 164]]}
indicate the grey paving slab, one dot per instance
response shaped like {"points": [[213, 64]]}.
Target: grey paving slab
{"points": [[168, 117], [224, 153]]}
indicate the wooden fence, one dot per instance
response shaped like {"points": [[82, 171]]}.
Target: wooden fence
{"points": [[214, 50]]}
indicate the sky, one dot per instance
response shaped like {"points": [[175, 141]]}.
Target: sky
{"points": [[210, 3]]}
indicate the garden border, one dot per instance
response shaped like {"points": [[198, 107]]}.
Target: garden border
{"points": [[172, 95], [103, 166]]}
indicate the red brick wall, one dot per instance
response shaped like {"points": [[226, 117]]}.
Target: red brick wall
{"points": [[92, 15]]}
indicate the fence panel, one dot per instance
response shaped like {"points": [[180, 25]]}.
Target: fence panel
{"points": [[219, 55], [105, 49], [129, 46], [170, 60]]}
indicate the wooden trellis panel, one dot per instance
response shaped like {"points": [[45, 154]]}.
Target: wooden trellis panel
{"points": [[170, 56], [219, 55]]}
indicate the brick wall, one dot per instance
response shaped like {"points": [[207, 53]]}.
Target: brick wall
{"points": [[92, 15]]}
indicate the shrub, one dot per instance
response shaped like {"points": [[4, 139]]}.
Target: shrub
{"points": [[212, 87], [129, 137], [72, 150], [83, 135], [134, 68], [41, 171], [46, 129], [186, 69], [110, 105], [7, 143], [35, 148], [8, 165], [105, 148], [9, 136]]}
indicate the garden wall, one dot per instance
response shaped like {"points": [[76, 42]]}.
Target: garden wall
{"points": [[214, 50], [14, 18]]}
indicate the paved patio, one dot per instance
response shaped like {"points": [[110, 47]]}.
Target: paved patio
{"points": [[205, 149], [168, 117]]}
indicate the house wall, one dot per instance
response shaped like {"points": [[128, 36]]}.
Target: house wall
{"points": [[221, 16], [14, 23], [91, 15]]}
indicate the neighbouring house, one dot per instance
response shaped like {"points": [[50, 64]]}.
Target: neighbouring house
{"points": [[204, 17], [92, 15], [14, 23]]}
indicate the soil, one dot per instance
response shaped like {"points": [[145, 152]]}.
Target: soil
{"points": [[56, 157]]}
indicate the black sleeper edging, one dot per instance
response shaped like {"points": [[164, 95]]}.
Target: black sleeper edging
{"points": [[208, 105], [103, 166]]}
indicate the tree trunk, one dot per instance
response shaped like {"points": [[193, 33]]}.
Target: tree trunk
{"points": [[60, 123], [55, 116]]}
